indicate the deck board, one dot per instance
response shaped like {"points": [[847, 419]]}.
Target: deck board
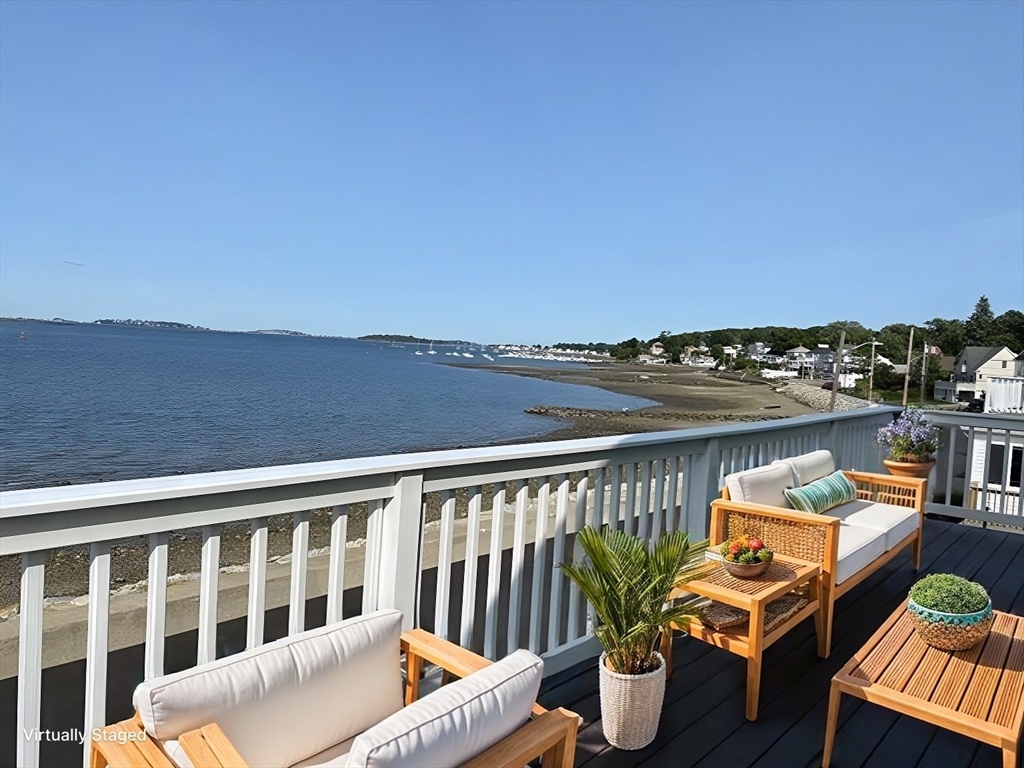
{"points": [[702, 720]]}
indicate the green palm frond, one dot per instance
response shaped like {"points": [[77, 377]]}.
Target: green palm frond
{"points": [[628, 584]]}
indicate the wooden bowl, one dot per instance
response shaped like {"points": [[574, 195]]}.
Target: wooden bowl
{"points": [[747, 570]]}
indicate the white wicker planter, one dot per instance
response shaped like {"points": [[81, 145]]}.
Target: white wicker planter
{"points": [[631, 705]]}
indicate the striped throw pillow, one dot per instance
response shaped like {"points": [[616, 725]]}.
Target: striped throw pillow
{"points": [[821, 495]]}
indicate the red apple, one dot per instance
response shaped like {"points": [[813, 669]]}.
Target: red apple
{"points": [[756, 544]]}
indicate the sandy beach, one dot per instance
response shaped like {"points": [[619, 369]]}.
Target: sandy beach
{"points": [[688, 397]]}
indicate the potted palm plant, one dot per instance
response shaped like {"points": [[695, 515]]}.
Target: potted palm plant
{"points": [[912, 444], [628, 584]]}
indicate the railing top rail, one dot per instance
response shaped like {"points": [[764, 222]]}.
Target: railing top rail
{"points": [[34, 501], [1000, 421]]}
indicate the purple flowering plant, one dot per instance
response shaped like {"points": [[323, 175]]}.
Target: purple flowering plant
{"points": [[909, 438]]}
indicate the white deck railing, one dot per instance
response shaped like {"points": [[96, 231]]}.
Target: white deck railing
{"points": [[541, 494], [978, 467]]}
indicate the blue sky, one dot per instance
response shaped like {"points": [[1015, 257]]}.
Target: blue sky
{"points": [[511, 171]]}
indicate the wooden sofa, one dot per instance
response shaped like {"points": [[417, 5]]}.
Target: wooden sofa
{"points": [[851, 541], [493, 720]]}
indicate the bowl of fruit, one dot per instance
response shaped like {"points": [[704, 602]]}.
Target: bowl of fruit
{"points": [[746, 557]]}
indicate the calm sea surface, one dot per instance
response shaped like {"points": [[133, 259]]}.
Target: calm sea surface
{"points": [[81, 404]]}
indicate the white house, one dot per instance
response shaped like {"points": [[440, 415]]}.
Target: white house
{"points": [[972, 371], [657, 348]]}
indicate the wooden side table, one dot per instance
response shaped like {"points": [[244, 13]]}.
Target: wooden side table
{"points": [[978, 692], [752, 595]]}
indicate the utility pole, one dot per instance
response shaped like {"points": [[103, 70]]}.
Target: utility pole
{"points": [[871, 375], [906, 376], [924, 366], [837, 373]]}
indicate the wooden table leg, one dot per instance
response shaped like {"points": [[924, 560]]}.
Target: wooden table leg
{"points": [[755, 649], [1010, 756], [831, 723], [819, 618]]}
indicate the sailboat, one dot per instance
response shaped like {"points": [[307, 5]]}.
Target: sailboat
{"points": [[418, 351], [431, 350]]}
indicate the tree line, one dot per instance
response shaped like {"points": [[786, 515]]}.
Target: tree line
{"points": [[983, 328]]}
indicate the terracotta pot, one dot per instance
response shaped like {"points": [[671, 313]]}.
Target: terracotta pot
{"points": [[908, 468]]}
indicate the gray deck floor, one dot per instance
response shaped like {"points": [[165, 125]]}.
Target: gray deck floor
{"points": [[702, 721]]}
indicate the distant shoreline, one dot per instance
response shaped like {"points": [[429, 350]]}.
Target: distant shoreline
{"points": [[160, 325]]}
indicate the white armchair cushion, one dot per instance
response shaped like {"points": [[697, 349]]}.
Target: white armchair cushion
{"points": [[290, 699], [858, 548], [457, 722], [761, 485], [809, 467], [896, 522]]}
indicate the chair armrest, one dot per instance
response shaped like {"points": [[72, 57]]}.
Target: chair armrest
{"points": [[209, 747], [449, 656], [127, 745], [551, 737], [890, 488], [420, 645]]}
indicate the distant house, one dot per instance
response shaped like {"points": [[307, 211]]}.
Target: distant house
{"points": [[657, 348], [799, 359], [757, 349], [824, 358], [973, 369], [730, 351]]}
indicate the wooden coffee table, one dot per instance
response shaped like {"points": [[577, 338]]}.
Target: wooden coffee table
{"points": [[978, 693], [752, 595]]}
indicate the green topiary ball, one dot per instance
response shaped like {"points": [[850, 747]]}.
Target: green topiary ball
{"points": [[947, 593]]}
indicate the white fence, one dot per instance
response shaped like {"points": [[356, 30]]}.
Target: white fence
{"points": [[540, 495], [978, 467]]}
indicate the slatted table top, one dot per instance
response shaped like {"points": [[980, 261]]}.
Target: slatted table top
{"points": [[980, 689], [782, 576]]}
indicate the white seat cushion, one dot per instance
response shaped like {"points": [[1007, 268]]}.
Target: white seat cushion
{"points": [[858, 548], [457, 722], [809, 467], [761, 485], [332, 757], [289, 699], [896, 522]]}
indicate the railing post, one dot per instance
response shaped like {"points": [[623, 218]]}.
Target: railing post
{"points": [[703, 487], [30, 658], [401, 536], [834, 444], [96, 644]]}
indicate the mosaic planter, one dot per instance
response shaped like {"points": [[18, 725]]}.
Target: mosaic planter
{"points": [[951, 631]]}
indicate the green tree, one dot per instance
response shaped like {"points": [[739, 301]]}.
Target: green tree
{"points": [[946, 334], [718, 353], [855, 333], [978, 330], [1009, 330]]}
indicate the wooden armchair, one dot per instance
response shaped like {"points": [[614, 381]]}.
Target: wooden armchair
{"points": [[820, 538], [549, 734]]}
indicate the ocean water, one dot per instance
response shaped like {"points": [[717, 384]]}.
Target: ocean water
{"points": [[81, 404]]}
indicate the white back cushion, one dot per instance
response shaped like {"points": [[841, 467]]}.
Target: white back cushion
{"points": [[286, 700], [761, 485], [457, 722], [809, 467]]}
